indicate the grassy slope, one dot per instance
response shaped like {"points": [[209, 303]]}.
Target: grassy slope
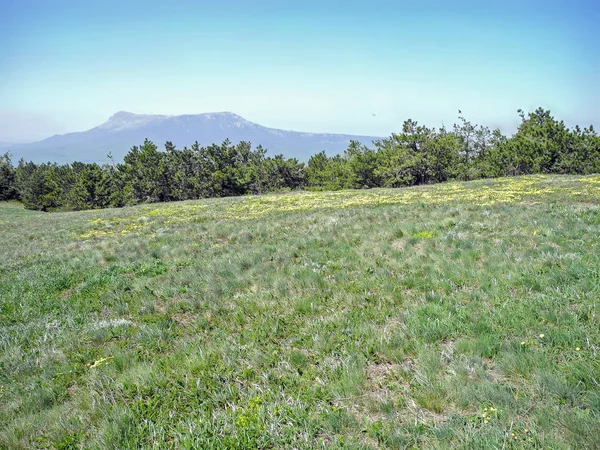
{"points": [[458, 315]]}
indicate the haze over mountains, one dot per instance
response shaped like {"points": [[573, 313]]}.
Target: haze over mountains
{"points": [[124, 130]]}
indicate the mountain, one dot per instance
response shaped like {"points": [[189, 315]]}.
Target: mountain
{"points": [[124, 130], [11, 143]]}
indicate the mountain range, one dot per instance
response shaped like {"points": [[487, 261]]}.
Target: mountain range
{"points": [[124, 130]]}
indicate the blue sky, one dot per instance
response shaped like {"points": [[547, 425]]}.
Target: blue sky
{"points": [[305, 65]]}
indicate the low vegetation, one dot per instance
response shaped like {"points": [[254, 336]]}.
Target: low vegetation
{"points": [[457, 315], [418, 155]]}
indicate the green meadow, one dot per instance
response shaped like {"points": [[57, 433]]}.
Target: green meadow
{"points": [[461, 315]]}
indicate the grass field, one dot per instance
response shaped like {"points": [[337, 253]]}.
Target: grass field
{"points": [[460, 315]]}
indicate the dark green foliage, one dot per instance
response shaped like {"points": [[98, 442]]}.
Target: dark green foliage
{"points": [[8, 189], [44, 187], [362, 162], [417, 155], [421, 155], [145, 170], [91, 188], [326, 173], [544, 145], [278, 173], [150, 175]]}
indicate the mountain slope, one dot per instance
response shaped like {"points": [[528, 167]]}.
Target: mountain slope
{"points": [[124, 129]]}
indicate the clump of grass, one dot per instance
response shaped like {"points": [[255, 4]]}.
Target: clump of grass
{"points": [[426, 234]]}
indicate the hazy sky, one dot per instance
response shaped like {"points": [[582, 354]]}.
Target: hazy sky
{"points": [[304, 65]]}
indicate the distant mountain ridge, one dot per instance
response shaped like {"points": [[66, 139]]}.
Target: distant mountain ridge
{"points": [[125, 129]]}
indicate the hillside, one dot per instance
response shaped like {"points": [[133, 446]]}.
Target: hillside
{"points": [[458, 315], [124, 130]]}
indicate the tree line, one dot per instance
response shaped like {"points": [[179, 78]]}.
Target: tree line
{"points": [[417, 155]]}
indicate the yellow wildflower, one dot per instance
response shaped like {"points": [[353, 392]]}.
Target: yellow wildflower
{"points": [[99, 362]]}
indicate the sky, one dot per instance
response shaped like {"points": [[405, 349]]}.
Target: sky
{"points": [[321, 66]]}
